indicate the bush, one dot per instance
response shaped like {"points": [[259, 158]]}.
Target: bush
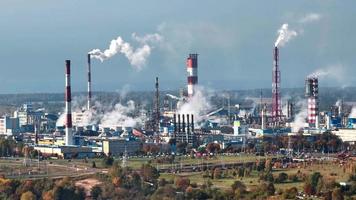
{"points": [[282, 177], [108, 161], [293, 178], [182, 183], [96, 192], [290, 193], [217, 173]]}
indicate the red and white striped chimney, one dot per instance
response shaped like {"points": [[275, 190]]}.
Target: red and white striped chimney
{"points": [[89, 83], [192, 69], [68, 111], [312, 93]]}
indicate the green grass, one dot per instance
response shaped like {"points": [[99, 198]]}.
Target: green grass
{"points": [[253, 180]]}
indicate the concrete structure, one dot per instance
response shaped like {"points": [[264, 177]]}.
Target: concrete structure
{"points": [[192, 69], [117, 146], [68, 109], [9, 125], [346, 135]]}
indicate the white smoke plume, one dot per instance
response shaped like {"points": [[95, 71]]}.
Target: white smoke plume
{"points": [[173, 97], [137, 57], [255, 103], [121, 115], [300, 118], [107, 115], [353, 113], [311, 17], [335, 72], [199, 105], [284, 35]]}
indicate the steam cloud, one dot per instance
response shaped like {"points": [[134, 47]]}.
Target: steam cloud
{"points": [[198, 105], [335, 72], [311, 17], [284, 35], [137, 57], [299, 120], [353, 112], [107, 115]]}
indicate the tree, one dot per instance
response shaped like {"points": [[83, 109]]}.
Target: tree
{"points": [[149, 173], [282, 177], [28, 196], [166, 192], [237, 185], [96, 192], [290, 193], [182, 183], [49, 195], [108, 161], [182, 147], [217, 173], [213, 147], [337, 194]]}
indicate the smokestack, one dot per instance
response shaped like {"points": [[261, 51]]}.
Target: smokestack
{"points": [[68, 111], [179, 130], [175, 123], [156, 107], [36, 126], [276, 95], [89, 82], [312, 93], [192, 121], [192, 69], [263, 116], [290, 110], [188, 124], [183, 123]]}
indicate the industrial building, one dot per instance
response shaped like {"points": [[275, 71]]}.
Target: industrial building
{"points": [[117, 146]]}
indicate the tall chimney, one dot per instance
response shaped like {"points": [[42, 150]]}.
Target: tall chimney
{"points": [[188, 124], [89, 83], [156, 107], [179, 130], [68, 111], [175, 123], [183, 123], [192, 121], [276, 95], [192, 69], [312, 93]]}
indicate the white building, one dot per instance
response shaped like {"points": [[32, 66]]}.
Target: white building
{"points": [[9, 125]]}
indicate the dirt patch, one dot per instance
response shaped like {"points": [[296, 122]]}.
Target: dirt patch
{"points": [[87, 184]]}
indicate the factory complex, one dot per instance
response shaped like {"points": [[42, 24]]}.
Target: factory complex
{"points": [[172, 121]]}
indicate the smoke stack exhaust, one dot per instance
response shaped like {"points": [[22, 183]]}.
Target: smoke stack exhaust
{"points": [[89, 82], [192, 69], [68, 111]]}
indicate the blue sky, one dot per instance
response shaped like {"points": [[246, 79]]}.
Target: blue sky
{"points": [[234, 40]]}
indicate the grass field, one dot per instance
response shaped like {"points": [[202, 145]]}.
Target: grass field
{"points": [[15, 168], [327, 170]]}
